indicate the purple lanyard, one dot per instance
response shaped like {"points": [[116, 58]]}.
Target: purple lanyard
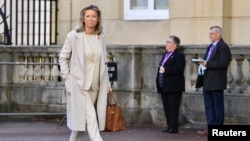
{"points": [[166, 58]]}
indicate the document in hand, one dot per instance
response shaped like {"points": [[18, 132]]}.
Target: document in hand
{"points": [[197, 60]]}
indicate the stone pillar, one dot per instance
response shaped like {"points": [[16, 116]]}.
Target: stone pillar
{"points": [[5, 69], [239, 78]]}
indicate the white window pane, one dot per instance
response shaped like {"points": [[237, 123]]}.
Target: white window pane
{"points": [[161, 4], [138, 4], [146, 9]]}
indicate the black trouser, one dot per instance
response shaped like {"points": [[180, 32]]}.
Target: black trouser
{"points": [[171, 105]]}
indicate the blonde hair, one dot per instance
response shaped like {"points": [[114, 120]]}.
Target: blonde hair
{"points": [[81, 24]]}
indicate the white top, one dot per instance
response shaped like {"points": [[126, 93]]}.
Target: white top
{"points": [[92, 48]]}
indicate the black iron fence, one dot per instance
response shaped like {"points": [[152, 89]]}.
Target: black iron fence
{"points": [[28, 22]]}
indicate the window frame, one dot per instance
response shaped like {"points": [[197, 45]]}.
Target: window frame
{"points": [[145, 14]]}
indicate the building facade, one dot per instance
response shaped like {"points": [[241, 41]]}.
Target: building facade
{"points": [[136, 32], [190, 20]]}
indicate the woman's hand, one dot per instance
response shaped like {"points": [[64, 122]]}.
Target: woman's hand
{"points": [[109, 90], [162, 69]]}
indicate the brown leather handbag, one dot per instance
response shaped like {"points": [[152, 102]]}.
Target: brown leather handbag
{"points": [[114, 118]]}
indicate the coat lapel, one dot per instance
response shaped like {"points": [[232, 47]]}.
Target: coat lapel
{"points": [[216, 47], [79, 46]]}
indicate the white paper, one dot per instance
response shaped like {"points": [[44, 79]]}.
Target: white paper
{"points": [[197, 60]]}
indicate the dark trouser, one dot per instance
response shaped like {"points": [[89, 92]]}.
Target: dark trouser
{"points": [[171, 104], [214, 106]]}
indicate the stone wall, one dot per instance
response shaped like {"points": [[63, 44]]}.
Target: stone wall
{"points": [[134, 89], [190, 20]]}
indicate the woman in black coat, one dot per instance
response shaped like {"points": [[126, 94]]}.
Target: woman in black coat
{"points": [[170, 82]]}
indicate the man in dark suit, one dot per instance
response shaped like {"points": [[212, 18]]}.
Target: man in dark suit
{"points": [[170, 82], [214, 71]]}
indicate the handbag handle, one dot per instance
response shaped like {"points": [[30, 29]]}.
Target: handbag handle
{"points": [[111, 99]]}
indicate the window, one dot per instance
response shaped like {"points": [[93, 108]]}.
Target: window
{"points": [[146, 9], [28, 22]]}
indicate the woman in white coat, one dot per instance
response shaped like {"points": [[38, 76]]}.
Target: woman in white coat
{"points": [[83, 67]]}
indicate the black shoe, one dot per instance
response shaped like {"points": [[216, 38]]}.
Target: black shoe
{"points": [[172, 131], [166, 130]]}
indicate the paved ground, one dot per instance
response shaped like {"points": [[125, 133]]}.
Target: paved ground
{"points": [[53, 131]]}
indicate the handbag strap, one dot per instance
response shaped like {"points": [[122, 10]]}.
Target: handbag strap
{"points": [[111, 99]]}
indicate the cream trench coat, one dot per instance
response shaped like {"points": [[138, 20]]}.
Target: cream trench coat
{"points": [[71, 60]]}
